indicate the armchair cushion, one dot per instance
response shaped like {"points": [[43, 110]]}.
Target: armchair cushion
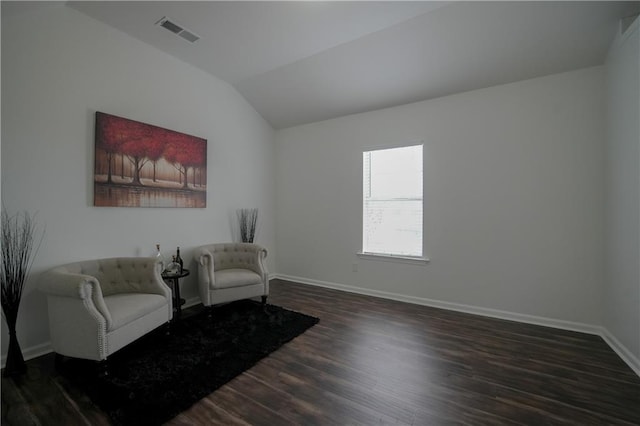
{"points": [[128, 307], [235, 278]]}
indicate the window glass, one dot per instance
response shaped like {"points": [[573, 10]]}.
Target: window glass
{"points": [[393, 201]]}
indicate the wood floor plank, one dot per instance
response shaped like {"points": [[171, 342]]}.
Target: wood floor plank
{"points": [[206, 412], [372, 361]]}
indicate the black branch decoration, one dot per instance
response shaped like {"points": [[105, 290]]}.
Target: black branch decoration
{"points": [[19, 237], [248, 220]]}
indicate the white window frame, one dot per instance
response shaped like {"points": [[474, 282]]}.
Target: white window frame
{"points": [[390, 257]]}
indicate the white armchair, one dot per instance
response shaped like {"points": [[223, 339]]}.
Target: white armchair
{"points": [[97, 307], [231, 271]]}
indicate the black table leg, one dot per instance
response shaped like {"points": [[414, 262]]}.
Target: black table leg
{"points": [[177, 301]]}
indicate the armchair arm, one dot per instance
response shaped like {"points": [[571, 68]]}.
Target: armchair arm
{"points": [[206, 277], [67, 284], [260, 255], [85, 288], [204, 256]]}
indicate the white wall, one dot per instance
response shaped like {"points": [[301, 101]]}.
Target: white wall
{"points": [[513, 180], [622, 218], [58, 68]]}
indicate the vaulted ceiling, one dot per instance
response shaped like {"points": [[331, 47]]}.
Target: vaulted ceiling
{"points": [[300, 62]]}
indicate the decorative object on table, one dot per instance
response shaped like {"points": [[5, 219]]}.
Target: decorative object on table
{"points": [[179, 260], [160, 258], [159, 376], [19, 233], [173, 268], [231, 271], [140, 165], [248, 220]]}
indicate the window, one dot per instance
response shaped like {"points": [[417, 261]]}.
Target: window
{"points": [[392, 202]]}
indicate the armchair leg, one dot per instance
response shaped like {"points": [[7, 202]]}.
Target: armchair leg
{"points": [[264, 300], [210, 312], [103, 368]]}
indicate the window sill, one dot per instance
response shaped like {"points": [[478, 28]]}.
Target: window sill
{"points": [[393, 258]]}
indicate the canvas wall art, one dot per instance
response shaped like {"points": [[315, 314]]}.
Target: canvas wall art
{"points": [[140, 165]]}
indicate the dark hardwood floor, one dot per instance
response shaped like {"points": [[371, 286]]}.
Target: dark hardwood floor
{"points": [[379, 362]]}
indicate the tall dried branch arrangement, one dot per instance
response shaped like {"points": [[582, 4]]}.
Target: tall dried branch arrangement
{"points": [[18, 250], [248, 219]]}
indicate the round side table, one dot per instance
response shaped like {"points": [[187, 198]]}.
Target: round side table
{"points": [[174, 281]]}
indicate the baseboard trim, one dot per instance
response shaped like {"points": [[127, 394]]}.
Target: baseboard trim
{"points": [[625, 354], [45, 348], [459, 307], [622, 351], [31, 352]]}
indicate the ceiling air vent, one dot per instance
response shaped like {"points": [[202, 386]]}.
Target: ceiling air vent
{"points": [[178, 30]]}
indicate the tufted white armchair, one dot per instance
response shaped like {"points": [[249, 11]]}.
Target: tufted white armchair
{"points": [[97, 307], [231, 271]]}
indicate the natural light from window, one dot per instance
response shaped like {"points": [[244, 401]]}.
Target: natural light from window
{"points": [[392, 202]]}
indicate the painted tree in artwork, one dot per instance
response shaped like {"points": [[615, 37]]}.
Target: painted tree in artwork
{"points": [[111, 133], [155, 148], [185, 152], [198, 156], [136, 148]]}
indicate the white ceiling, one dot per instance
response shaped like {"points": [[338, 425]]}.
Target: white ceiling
{"points": [[300, 62]]}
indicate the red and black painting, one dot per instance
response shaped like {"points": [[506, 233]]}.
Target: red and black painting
{"points": [[140, 165]]}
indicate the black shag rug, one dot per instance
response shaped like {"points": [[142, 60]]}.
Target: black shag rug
{"points": [[157, 377]]}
